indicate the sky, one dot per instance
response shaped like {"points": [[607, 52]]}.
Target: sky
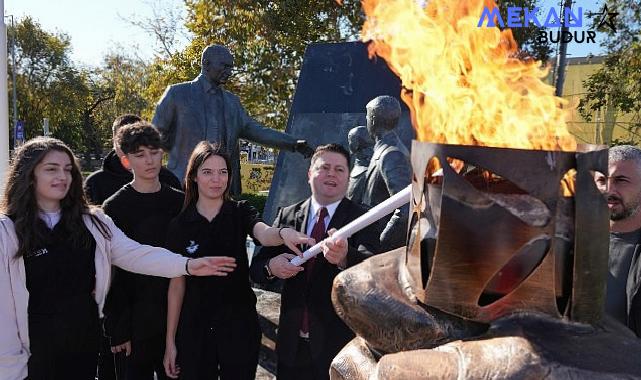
{"points": [[97, 27]]}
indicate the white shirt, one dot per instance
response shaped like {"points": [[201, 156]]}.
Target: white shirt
{"points": [[50, 218], [314, 207]]}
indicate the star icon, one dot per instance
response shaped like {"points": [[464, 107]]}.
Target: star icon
{"points": [[606, 18]]}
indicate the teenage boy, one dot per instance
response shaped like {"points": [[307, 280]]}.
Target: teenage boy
{"points": [[103, 183], [136, 306]]}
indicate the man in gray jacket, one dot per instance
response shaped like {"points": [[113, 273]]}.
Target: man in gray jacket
{"points": [[199, 110], [622, 188]]}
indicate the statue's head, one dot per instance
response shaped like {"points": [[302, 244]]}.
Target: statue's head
{"points": [[359, 140], [383, 113], [217, 63]]}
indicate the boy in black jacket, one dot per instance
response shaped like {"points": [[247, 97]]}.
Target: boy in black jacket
{"points": [[103, 183], [136, 306]]}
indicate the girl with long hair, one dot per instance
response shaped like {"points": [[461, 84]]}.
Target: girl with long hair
{"points": [[55, 266], [212, 325]]}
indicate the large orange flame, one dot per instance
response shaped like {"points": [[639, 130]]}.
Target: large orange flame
{"points": [[463, 83]]}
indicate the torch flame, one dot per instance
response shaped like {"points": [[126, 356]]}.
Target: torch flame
{"points": [[463, 83]]}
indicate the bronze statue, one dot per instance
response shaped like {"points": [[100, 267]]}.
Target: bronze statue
{"points": [[389, 169], [202, 109], [361, 147]]}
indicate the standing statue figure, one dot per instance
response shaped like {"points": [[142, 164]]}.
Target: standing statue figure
{"points": [[199, 110], [389, 169], [361, 147]]}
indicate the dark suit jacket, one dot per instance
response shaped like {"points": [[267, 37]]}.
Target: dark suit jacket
{"points": [[327, 332], [182, 121], [633, 292]]}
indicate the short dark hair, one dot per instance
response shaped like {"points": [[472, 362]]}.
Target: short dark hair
{"points": [[123, 120], [132, 136], [333, 147]]}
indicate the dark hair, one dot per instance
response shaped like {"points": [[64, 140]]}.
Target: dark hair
{"points": [[200, 154], [132, 136], [19, 201], [123, 120], [333, 147]]}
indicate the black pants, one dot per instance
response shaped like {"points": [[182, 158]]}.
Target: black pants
{"points": [[145, 359], [304, 366], [220, 354], [106, 368], [63, 353]]}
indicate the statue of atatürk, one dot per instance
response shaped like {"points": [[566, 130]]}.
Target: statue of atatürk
{"points": [[389, 169], [361, 147], [199, 110]]}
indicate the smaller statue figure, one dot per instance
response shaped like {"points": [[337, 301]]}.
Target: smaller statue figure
{"points": [[361, 147], [389, 170]]}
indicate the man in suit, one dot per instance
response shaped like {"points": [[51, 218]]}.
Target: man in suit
{"points": [[622, 188], [199, 110], [389, 169], [310, 333]]}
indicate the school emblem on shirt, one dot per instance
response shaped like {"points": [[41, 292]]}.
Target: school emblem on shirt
{"points": [[192, 247]]}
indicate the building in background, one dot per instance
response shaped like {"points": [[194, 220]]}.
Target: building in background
{"points": [[607, 125]]}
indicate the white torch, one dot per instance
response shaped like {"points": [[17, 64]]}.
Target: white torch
{"points": [[375, 213]]}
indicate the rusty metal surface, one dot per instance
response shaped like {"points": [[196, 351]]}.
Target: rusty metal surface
{"points": [[490, 254], [591, 240]]}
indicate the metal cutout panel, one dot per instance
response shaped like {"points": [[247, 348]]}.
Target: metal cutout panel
{"points": [[482, 254]]}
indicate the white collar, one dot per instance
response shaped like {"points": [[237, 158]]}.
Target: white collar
{"points": [[314, 206], [50, 218]]}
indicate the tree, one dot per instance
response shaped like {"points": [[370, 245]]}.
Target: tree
{"points": [[268, 39], [616, 86], [120, 82], [80, 103], [47, 84]]}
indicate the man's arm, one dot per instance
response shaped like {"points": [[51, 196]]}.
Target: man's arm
{"points": [[253, 131], [164, 118], [396, 171], [118, 308], [397, 174], [363, 245]]}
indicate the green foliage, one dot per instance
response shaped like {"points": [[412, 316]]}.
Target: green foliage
{"points": [[617, 84], [79, 102], [268, 39], [47, 84], [255, 200], [125, 79]]}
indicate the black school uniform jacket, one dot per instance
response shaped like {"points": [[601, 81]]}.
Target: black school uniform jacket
{"points": [[327, 332]]}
